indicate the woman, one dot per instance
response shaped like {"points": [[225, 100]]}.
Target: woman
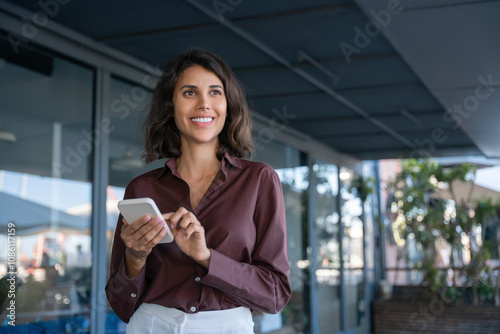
{"points": [[226, 214]]}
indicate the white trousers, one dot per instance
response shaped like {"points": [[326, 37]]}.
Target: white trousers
{"points": [[156, 319]]}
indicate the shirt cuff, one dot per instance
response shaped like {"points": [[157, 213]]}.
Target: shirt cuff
{"points": [[222, 273], [131, 288]]}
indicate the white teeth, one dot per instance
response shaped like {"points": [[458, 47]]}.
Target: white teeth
{"points": [[202, 120]]}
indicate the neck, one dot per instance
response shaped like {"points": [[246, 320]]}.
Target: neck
{"points": [[198, 162]]}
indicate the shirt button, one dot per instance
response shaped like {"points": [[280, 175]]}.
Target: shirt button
{"points": [[197, 279], [133, 295], [180, 319], [192, 309]]}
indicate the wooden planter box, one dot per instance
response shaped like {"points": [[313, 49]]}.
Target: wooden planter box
{"points": [[433, 317]]}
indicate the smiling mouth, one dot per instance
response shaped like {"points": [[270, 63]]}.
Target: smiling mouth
{"points": [[202, 119]]}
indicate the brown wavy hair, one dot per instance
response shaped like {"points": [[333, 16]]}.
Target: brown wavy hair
{"points": [[162, 138]]}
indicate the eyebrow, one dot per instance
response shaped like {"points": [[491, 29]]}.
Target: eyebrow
{"points": [[194, 87]]}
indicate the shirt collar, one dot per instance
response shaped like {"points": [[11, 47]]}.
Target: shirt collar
{"points": [[170, 164], [232, 160]]}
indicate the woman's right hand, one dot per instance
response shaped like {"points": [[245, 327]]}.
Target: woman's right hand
{"points": [[139, 238]]}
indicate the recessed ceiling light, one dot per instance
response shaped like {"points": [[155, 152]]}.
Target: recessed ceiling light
{"points": [[127, 163], [7, 136]]}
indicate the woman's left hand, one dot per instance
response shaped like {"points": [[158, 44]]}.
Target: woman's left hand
{"points": [[189, 235]]}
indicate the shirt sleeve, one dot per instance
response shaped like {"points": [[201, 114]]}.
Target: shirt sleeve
{"points": [[263, 284], [123, 293]]}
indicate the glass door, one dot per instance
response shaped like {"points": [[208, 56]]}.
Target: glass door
{"points": [[291, 166], [328, 265], [351, 210], [46, 148]]}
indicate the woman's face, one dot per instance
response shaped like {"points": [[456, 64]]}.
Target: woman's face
{"points": [[200, 106]]}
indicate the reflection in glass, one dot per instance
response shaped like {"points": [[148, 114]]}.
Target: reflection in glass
{"points": [[291, 166], [328, 254], [352, 246], [127, 110], [45, 192], [295, 184]]}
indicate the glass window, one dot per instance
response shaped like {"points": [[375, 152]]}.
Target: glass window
{"points": [[127, 110], [352, 249], [291, 166], [327, 224], [46, 147]]}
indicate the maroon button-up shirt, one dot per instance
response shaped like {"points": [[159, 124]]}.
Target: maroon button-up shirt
{"points": [[243, 215]]}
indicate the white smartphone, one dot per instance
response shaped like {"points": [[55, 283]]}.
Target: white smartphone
{"points": [[135, 208]]}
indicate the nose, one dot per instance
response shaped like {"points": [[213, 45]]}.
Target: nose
{"points": [[203, 103]]}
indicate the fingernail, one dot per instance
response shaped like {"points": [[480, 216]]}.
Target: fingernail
{"points": [[158, 220], [147, 218], [172, 226]]}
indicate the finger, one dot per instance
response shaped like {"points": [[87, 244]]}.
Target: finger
{"points": [[193, 228], [152, 229], [159, 236], [177, 216], [132, 235], [130, 230], [188, 218], [139, 223], [168, 215], [190, 224]]}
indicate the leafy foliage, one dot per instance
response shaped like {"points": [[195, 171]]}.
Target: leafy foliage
{"points": [[425, 217]]}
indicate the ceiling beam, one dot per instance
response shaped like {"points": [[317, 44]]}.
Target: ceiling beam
{"points": [[286, 95], [416, 113], [361, 90], [324, 62], [448, 4], [306, 76], [424, 132], [397, 153], [236, 20]]}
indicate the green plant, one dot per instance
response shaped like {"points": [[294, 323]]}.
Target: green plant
{"points": [[426, 212], [362, 187]]}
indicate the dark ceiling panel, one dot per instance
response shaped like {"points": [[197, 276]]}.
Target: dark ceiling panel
{"points": [[372, 70], [304, 106], [335, 129], [159, 48], [369, 103], [386, 99], [104, 19], [276, 83], [415, 120], [365, 144], [279, 8]]}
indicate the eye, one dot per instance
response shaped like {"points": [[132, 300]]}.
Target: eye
{"points": [[188, 93], [216, 92]]}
